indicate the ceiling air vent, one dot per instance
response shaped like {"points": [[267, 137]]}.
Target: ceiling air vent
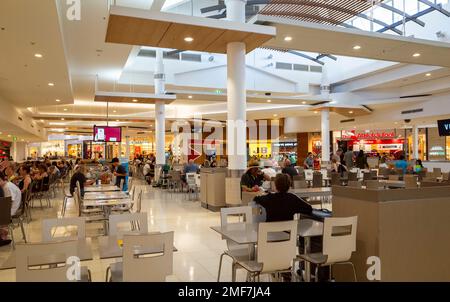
{"points": [[20, 118], [412, 111], [348, 121]]}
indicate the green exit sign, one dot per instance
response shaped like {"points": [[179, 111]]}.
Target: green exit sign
{"points": [[14, 138]]}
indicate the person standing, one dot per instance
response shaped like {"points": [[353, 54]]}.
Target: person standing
{"points": [[361, 160], [348, 158], [119, 171], [308, 163]]}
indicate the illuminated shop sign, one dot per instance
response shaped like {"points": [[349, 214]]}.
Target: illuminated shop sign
{"points": [[367, 135], [285, 144]]}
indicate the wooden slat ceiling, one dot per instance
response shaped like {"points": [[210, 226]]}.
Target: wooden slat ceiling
{"points": [[331, 12], [157, 29]]}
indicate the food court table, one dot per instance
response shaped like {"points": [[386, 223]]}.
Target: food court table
{"points": [[101, 188], [83, 251], [247, 233], [105, 195], [312, 192], [393, 183], [109, 247]]}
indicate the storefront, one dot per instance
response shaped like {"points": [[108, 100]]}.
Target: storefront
{"points": [[285, 149], [5, 150], [53, 148], [373, 142]]}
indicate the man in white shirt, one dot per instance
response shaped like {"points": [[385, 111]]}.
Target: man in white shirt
{"points": [[9, 190]]}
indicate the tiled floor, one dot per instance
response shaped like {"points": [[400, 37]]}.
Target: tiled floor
{"points": [[199, 247]]}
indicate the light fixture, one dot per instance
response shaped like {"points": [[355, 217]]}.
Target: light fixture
{"points": [[62, 119], [117, 120], [416, 55], [396, 123], [315, 112], [42, 121], [135, 101], [65, 109], [303, 102], [428, 75], [188, 39], [58, 100], [51, 84], [190, 97], [356, 47], [29, 108], [268, 101], [9, 135], [114, 111], [288, 38], [1, 133], [38, 55], [22, 140], [275, 115], [350, 112]]}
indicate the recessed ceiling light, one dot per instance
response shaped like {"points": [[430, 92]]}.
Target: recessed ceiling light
{"points": [[22, 140], [29, 108], [9, 135], [114, 111], [275, 115], [62, 119], [428, 75], [268, 101], [351, 112], [354, 127], [38, 55], [117, 120], [396, 123], [303, 102], [135, 101], [316, 112], [58, 100], [190, 97], [356, 47], [42, 121], [188, 39], [65, 109], [288, 38], [416, 55], [51, 84]]}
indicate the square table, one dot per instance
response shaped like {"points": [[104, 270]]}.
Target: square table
{"points": [[312, 192], [105, 195], [101, 188], [83, 251]]}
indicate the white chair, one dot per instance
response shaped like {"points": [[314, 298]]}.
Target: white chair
{"points": [[309, 174], [137, 221], [67, 195], [273, 256], [235, 251], [339, 242], [49, 224], [146, 258], [300, 184], [50, 272], [136, 195], [191, 185]]}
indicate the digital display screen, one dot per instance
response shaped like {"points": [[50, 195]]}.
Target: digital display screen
{"points": [[107, 134], [444, 127]]}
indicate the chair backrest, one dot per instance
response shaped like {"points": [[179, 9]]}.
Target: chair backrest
{"points": [[309, 174], [335, 179], [176, 175], [383, 171], [446, 176], [354, 184], [49, 250], [299, 184], [116, 220], [410, 181], [317, 180], [139, 265], [300, 176], [352, 176], [137, 199], [5, 210], [245, 211], [374, 174], [190, 179], [277, 255], [374, 184], [394, 177], [437, 172], [122, 181], [339, 238], [367, 176], [49, 224]]}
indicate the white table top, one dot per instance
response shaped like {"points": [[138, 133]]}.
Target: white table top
{"points": [[242, 233], [312, 192], [101, 188], [83, 251], [106, 202], [105, 195]]}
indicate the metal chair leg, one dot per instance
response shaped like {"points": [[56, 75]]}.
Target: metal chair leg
{"points": [[220, 266], [11, 231], [107, 271], [23, 229]]}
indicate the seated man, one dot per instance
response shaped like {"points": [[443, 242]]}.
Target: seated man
{"points": [[289, 169], [79, 177], [9, 190], [253, 178], [282, 205], [191, 167]]}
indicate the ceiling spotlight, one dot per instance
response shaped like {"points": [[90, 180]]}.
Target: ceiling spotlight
{"points": [[114, 111], [58, 100], [9, 135], [42, 121], [117, 120], [350, 112], [275, 115], [62, 119], [188, 39], [356, 47], [416, 55], [38, 55], [288, 38], [303, 102], [65, 109], [428, 75], [190, 97], [269, 101], [51, 84], [135, 101], [315, 112]]}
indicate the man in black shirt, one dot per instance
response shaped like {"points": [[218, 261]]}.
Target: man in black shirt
{"points": [[79, 177], [289, 169], [253, 178], [282, 206], [119, 171]]}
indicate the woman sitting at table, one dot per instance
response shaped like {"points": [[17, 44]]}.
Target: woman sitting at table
{"points": [[25, 182], [282, 205], [79, 177]]}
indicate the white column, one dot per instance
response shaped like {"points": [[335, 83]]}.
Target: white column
{"points": [[160, 110], [415, 142], [325, 135], [14, 151], [236, 94]]}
